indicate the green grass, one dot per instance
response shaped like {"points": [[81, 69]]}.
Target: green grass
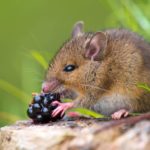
{"points": [[144, 86], [9, 118], [87, 113], [39, 58], [14, 91]]}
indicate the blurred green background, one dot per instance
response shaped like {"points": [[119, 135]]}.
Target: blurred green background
{"points": [[31, 31]]}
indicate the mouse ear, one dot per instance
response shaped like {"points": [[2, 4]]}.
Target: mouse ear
{"points": [[96, 45], [78, 29]]}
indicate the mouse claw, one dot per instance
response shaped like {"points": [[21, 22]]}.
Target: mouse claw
{"points": [[122, 113], [56, 103], [57, 111], [62, 107]]}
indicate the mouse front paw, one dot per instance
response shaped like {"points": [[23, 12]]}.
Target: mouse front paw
{"points": [[122, 113], [62, 108]]}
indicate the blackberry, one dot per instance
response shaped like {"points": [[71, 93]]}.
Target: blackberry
{"points": [[45, 111], [36, 108], [41, 108], [39, 118], [52, 107], [46, 101], [37, 99], [54, 96], [30, 112]]}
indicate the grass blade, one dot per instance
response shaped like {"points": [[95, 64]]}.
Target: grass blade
{"points": [[39, 58], [138, 15], [5, 116], [144, 86], [87, 112], [11, 89]]}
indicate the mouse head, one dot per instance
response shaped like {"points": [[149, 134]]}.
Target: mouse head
{"points": [[75, 64]]}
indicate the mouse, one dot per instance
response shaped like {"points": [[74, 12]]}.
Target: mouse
{"points": [[103, 69]]}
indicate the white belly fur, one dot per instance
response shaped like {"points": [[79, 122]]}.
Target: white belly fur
{"points": [[110, 104]]}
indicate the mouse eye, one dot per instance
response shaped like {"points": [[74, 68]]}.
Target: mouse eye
{"points": [[69, 68]]}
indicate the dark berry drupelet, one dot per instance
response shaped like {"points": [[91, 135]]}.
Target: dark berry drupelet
{"points": [[30, 112], [37, 99], [41, 108]]}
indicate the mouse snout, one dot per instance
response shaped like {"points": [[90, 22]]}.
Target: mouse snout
{"points": [[45, 87], [49, 86]]}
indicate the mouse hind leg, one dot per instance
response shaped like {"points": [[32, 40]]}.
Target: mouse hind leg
{"points": [[116, 106], [122, 113]]}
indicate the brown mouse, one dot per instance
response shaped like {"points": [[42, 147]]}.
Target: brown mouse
{"points": [[103, 69]]}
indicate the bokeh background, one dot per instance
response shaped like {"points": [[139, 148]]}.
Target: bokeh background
{"points": [[31, 31]]}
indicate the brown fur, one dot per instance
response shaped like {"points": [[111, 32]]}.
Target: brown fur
{"points": [[109, 84]]}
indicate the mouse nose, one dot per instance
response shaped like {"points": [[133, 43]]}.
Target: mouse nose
{"points": [[45, 87], [49, 86]]}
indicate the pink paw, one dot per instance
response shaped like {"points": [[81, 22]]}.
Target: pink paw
{"points": [[120, 114], [62, 107], [73, 114]]}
